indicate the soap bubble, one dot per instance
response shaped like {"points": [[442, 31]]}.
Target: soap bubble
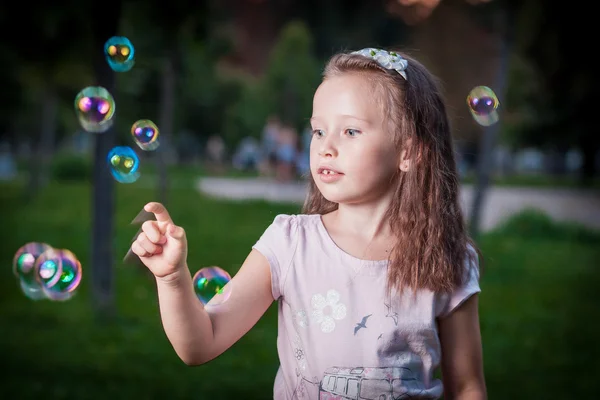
{"points": [[483, 105], [119, 53], [58, 273], [145, 134], [95, 108], [124, 164], [211, 285], [23, 268]]}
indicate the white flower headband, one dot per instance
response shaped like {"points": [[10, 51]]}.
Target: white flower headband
{"points": [[387, 59]]}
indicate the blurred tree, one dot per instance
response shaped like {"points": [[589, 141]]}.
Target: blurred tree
{"points": [[549, 36], [50, 60], [335, 25], [10, 102], [246, 115], [104, 21], [256, 29], [492, 36], [341, 25], [488, 142], [292, 75], [414, 12], [210, 90], [208, 87], [174, 25]]}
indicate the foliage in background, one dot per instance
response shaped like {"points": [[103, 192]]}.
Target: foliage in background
{"points": [[286, 89], [71, 168], [292, 75]]}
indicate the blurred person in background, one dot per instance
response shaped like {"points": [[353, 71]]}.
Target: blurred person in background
{"points": [[270, 140], [303, 157], [247, 156], [286, 154], [215, 154]]}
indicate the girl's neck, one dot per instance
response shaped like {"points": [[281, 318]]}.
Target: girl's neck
{"points": [[367, 221]]}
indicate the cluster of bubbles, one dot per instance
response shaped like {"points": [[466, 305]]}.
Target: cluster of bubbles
{"points": [[46, 273], [95, 110], [211, 285], [483, 105]]}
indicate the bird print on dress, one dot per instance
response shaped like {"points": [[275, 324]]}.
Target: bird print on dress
{"points": [[361, 324]]}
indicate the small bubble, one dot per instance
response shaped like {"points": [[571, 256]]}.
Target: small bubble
{"points": [[483, 105], [124, 164], [48, 268], [145, 134], [69, 279], [119, 53]]}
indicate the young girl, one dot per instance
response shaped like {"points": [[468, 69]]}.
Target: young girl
{"points": [[377, 281]]}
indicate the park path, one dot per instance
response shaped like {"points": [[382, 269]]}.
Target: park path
{"points": [[573, 205]]}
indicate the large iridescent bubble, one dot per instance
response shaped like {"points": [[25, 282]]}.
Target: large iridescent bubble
{"points": [[211, 284], [95, 109], [58, 272]]}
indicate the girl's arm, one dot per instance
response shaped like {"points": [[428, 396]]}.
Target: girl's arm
{"points": [[462, 359], [199, 334]]}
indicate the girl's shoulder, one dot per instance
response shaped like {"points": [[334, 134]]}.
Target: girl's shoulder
{"points": [[297, 220], [294, 226]]}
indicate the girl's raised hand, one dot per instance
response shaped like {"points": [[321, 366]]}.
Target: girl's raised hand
{"points": [[162, 245]]}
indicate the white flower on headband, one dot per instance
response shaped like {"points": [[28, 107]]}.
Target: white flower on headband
{"points": [[387, 59]]}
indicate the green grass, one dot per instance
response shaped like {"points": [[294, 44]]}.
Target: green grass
{"points": [[539, 309], [538, 306]]}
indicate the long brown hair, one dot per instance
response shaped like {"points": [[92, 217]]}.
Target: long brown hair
{"points": [[425, 215]]}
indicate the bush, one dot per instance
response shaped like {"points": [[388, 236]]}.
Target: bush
{"points": [[71, 168], [535, 224]]}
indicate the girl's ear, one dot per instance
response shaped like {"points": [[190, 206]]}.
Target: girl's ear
{"points": [[408, 156], [404, 164]]}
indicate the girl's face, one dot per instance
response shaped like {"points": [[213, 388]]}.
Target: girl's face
{"points": [[352, 156]]}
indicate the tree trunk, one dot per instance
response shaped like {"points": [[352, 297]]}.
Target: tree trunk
{"points": [[166, 118], [42, 154], [589, 146], [488, 142], [441, 42], [556, 160], [105, 18], [589, 141]]}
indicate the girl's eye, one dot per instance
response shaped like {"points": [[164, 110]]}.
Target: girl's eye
{"points": [[353, 132], [318, 132]]}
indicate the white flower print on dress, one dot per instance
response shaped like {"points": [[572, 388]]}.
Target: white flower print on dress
{"points": [[299, 353], [324, 315], [301, 319]]}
